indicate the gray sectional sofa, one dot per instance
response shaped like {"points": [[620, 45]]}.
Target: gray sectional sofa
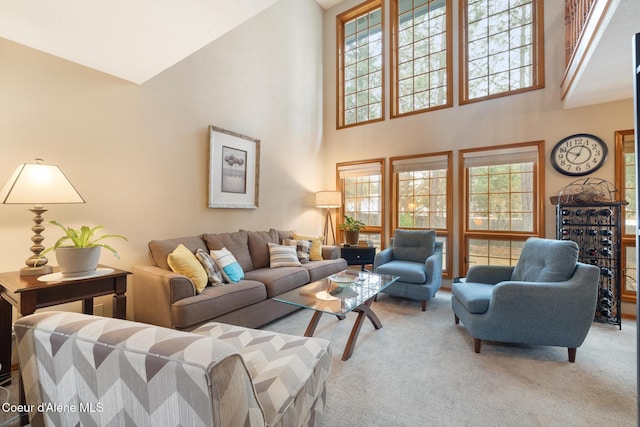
{"points": [[164, 298]]}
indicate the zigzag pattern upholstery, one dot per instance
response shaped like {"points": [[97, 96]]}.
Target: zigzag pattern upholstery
{"points": [[103, 371]]}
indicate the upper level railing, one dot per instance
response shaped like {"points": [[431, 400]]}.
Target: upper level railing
{"points": [[575, 17], [584, 22]]}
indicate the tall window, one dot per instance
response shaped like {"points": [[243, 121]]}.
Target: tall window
{"points": [[502, 202], [421, 49], [360, 64], [501, 48], [626, 185], [362, 186], [422, 196]]}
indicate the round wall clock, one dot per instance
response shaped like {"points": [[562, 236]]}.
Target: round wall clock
{"points": [[579, 154]]}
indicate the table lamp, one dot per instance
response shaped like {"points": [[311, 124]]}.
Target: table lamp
{"points": [[38, 184], [328, 200]]}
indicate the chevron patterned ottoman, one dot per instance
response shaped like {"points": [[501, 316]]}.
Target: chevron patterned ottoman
{"points": [[89, 370]]}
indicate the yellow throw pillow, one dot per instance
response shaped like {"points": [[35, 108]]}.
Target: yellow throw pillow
{"points": [[183, 261], [315, 254]]}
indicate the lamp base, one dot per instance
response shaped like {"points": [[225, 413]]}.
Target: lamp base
{"points": [[36, 271]]}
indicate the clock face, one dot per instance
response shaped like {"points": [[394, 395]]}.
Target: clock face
{"points": [[579, 154]]}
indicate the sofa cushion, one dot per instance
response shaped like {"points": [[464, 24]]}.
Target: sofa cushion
{"points": [[303, 248], [237, 243], [279, 280], [546, 260], [160, 249], [216, 301], [288, 371], [283, 256], [413, 245], [258, 246], [408, 271], [226, 262], [213, 272], [321, 269], [183, 261], [474, 297], [316, 245]]}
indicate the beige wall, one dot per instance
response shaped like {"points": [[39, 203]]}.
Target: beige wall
{"points": [[138, 154], [532, 116]]}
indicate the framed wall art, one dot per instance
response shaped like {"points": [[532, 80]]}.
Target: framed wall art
{"points": [[234, 170]]}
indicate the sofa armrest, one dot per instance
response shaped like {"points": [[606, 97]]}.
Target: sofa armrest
{"points": [[433, 267], [490, 274], [155, 290], [330, 252]]}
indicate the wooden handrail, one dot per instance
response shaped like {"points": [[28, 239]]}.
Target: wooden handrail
{"points": [[575, 17]]}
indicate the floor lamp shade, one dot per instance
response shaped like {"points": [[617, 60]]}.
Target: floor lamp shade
{"points": [[38, 184], [328, 199]]}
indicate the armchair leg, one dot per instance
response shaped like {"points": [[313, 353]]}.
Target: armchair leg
{"points": [[477, 343], [572, 354], [424, 305], [457, 319]]}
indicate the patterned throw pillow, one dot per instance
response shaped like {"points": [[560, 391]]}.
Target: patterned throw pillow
{"points": [[283, 256], [227, 263], [183, 261], [214, 274], [316, 245], [303, 248]]}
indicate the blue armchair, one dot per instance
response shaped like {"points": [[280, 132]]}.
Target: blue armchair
{"points": [[548, 298], [416, 258]]}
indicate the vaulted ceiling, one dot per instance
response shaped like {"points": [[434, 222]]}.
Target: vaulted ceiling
{"points": [[136, 40]]}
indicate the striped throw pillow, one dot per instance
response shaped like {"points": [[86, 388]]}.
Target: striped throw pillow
{"points": [[283, 256], [227, 263]]}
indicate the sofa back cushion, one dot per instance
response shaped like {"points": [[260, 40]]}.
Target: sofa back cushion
{"points": [[237, 243], [259, 246], [160, 249], [546, 260], [413, 245]]}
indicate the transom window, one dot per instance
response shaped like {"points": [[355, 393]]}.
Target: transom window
{"points": [[360, 64], [421, 54], [501, 48], [502, 202]]}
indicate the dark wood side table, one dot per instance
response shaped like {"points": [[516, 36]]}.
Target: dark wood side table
{"points": [[27, 293], [356, 255]]}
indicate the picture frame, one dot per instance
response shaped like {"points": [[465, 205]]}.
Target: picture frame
{"points": [[234, 170]]}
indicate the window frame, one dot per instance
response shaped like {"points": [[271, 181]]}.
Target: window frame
{"points": [[538, 186], [341, 19], [627, 239], [538, 77], [381, 230], [395, 83], [445, 233]]}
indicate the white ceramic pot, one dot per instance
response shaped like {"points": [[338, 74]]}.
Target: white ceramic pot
{"points": [[75, 262]]}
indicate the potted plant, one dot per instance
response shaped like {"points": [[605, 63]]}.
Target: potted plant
{"points": [[78, 251], [351, 228]]}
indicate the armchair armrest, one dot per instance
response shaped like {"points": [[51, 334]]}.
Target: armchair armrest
{"points": [[433, 267], [382, 257], [490, 274], [155, 290]]}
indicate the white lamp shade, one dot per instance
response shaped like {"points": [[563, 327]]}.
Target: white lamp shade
{"points": [[328, 199], [38, 184]]}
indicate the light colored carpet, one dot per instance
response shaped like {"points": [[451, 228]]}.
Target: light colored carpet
{"points": [[420, 369]]}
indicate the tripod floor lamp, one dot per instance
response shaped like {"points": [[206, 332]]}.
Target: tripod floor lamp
{"points": [[328, 200]]}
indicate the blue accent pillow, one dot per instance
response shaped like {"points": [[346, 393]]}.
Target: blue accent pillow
{"points": [[228, 265]]}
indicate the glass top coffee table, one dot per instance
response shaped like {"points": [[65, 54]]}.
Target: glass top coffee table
{"points": [[340, 294]]}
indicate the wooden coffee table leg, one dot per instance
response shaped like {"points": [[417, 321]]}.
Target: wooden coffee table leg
{"points": [[364, 310], [312, 324]]}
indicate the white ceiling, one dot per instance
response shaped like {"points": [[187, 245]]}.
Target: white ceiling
{"points": [[137, 39], [131, 39]]}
